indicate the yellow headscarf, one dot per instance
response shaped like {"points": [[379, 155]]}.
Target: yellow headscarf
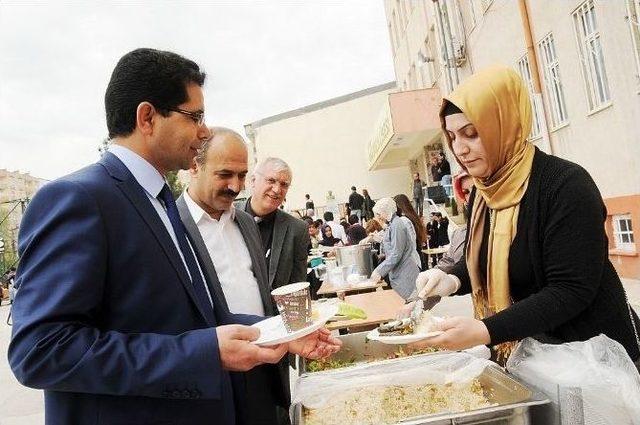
{"points": [[497, 103]]}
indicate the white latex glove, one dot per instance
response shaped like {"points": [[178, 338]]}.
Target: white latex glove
{"points": [[405, 310], [436, 282]]}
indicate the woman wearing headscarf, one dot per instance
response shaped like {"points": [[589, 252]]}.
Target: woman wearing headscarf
{"points": [[536, 259], [401, 262], [327, 237]]}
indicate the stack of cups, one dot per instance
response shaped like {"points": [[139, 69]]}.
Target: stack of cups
{"points": [[294, 305]]}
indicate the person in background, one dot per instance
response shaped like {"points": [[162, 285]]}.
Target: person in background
{"points": [[284, 238], [356, 202], [418, 194], [432, 231], [327, 237], [536, 259], [401, 263], [434, 167], [314, 233], [406, 210], [444, 170], [355, 232], [311, 214], [443, 229], [367, 205], [462, 184], [336, 229], [375, 233], [309, 205]]}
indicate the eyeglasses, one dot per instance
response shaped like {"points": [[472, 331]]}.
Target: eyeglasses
{"points": [[272, 182], [197, 117]]}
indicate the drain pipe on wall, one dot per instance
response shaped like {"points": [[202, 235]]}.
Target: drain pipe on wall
{"points": [[535, 75]]}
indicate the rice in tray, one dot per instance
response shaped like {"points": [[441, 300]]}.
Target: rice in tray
{"points": [[390, 404]]}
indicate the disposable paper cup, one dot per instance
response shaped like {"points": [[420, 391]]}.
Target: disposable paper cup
{"points": [[294, 305]]}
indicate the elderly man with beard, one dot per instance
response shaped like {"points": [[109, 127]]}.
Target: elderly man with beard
{"points": [[285, 238], [230, 249]]}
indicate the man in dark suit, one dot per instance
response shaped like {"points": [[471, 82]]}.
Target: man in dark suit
{"points": [[241, 281], [113, 317], [284, 238]]}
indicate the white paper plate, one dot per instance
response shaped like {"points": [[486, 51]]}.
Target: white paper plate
{"points": [[273, 332], [374, 335]]}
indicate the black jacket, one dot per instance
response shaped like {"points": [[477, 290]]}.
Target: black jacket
{"points": [[563, 286]]}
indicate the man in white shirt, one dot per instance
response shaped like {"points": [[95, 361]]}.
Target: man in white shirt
{"points": [[336, 228], [235, 260]]}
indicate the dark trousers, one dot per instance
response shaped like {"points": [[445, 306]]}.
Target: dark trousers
{"points": [[417, 205]]}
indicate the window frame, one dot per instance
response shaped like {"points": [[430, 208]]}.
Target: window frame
{"points": [[619, 233], [591, 54], [553, 82], [524, 69], [633, 16]]}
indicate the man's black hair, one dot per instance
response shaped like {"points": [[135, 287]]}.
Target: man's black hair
{"points": [[353, 219], [147, 75], [328, 216]]}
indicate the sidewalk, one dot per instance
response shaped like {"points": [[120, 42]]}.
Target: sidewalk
{"points": [[18, 405]]}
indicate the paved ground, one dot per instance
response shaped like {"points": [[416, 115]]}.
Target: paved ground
{"points": [[18, 405], [24, 406]]}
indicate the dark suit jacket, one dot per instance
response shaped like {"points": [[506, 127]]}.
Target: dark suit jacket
{"points": [[105, 319], [267, 384], [288, 258]]}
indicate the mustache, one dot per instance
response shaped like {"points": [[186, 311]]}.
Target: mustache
{"points": [[228, 193]]}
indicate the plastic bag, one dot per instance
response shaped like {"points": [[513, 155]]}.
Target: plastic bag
{"points": [[590, 382], [315, 390]]}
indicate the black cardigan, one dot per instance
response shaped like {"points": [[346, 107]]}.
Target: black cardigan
{"points": [[563, 286]]}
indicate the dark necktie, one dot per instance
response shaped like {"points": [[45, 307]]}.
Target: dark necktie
{"points": [[196, 278]]}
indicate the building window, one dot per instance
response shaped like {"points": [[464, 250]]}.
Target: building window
{"points": [[633, 15], [525, 73], [623, 232], [553, 84], [591, 56], [472, 12]]}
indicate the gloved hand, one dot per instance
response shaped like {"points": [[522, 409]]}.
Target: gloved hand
{"points": [[436, 282], [405, 310]]}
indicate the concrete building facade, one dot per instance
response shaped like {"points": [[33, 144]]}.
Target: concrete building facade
{"points": [[581, 59], [326, 146]]}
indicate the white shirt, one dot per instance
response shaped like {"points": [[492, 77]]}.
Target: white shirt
{"points": [[338, 231], [152, 182], [231, 258]]}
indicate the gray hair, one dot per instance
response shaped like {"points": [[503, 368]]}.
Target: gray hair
{"points": [[217, 133], [276, 164], [385, 208]]}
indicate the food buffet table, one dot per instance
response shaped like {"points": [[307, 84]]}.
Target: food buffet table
{"points": [[380, 306], [327, 288]]}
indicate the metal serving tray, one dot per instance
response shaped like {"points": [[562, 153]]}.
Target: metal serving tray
{"points": [[513, 402], [356, 347]]}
